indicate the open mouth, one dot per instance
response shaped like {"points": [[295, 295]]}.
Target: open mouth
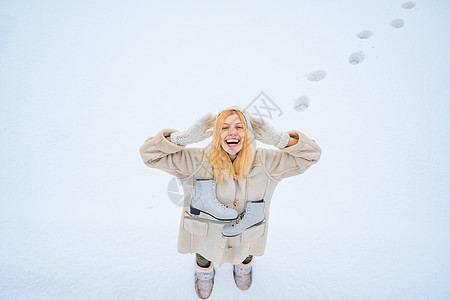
{"points": [[233, 142]]}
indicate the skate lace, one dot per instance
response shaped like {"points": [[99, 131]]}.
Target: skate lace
{"points": [[238, 220], [241, 216]]}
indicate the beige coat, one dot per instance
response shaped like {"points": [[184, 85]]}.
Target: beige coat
{"points": [[270, 166]]}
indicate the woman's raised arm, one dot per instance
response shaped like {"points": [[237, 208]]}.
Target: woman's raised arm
{"points": [[167, 150]]}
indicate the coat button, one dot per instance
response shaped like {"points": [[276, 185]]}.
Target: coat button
{"points": [[229, 247]]}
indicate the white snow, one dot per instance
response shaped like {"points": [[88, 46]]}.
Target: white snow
{"points": [[84, 83]]}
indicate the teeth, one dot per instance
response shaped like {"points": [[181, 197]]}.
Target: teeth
{"points": [[232, 140]]}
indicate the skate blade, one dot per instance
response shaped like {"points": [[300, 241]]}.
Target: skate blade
{"points": [[254, 225], [214, 221], [196, 212]]}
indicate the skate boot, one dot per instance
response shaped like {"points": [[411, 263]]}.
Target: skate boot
{"points": [[204, 200], [253, 216], [243, 275], [204, 280]]}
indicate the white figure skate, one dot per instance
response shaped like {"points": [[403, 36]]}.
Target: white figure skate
{"points": [[204, 200], [253, 216]]}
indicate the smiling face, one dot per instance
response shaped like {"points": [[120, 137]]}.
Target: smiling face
{"points": [[232, 135]]}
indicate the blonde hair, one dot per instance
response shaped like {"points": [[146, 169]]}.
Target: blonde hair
{"points": [[218, 158]]}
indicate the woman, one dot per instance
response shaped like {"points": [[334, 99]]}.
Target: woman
{"points": [[243, 175]]}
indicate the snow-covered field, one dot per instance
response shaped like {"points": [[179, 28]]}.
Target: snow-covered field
{"points": [[84, 83]]}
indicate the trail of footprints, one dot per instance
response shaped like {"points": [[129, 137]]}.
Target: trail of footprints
{"points": [[302, 103]]}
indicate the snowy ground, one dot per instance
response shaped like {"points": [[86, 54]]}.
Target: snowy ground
{"points": [[84, 83]]}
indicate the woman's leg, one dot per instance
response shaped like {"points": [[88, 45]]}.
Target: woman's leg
{"points": [[201, 261], [204, 263]]}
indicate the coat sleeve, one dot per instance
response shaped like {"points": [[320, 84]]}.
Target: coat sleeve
{"points": [[157, 152], [292, 160]]}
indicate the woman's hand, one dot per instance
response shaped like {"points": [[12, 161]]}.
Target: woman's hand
{"points": [[196, 132], [267, 134]]}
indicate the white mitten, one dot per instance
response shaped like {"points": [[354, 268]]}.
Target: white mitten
{"points": [[196, 132], [267, 134]]}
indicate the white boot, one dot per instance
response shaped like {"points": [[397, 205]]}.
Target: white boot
{"points": [[253, 216], [243, 275], [204, 280], [204, 200]]}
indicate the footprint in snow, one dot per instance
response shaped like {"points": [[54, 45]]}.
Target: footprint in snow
{"points": [[301, 103], [365, 34], [397, 23], [356, 58], [317, 75], [408, 5]]}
